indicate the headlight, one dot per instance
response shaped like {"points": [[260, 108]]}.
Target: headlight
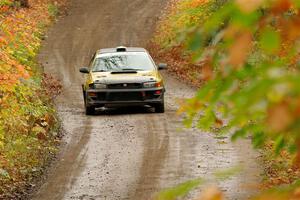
{"points": [[149, 84], [152, 84], [97, 86]]}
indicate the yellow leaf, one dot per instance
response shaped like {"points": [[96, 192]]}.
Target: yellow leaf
{"points": [[249, 6]]}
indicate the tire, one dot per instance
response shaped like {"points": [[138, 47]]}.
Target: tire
{"points": [[84, 96], [89, 110], [160, 108]]}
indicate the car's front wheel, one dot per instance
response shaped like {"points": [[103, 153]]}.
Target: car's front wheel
{"points": [[89, 110], [160, 108]]}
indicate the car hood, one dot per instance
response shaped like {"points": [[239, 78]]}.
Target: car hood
{"points": [[139, 77]]}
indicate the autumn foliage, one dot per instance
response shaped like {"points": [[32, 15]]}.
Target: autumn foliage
{"points": [[27, 119], [244, 55]]}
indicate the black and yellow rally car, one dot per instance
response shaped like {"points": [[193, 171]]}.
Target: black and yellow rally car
{"points": [[122, 77]]}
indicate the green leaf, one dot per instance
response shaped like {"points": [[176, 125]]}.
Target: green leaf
{"points": [[207, 120], [245, 19], [270, 40], [180, 190], [195, 42], [238, 134], [227, 173], [258, 139], [279, 144]]}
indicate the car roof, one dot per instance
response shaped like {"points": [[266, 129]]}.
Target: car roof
{"points": [[127, 49]]}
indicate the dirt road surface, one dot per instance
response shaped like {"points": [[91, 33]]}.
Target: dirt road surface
{"points": [[127, 153]]}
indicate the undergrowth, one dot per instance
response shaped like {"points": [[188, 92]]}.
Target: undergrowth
{"points": [[28, 121]]}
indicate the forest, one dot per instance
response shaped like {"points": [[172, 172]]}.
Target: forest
{"points": [[242, 56]]}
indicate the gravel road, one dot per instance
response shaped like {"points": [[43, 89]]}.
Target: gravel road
{"points": [[128, 153]]}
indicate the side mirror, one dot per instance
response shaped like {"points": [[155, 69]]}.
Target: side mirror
{"points": [[162, 66], [84, 70]]}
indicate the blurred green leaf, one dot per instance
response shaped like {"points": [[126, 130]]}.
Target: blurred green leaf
{"points": [[227, 173], [238, 134], [270, 40], [245, 19], [279, 144], [219, 17], [179, 191], [195, 41], [207, 120], [258, 139], [297, 3]]}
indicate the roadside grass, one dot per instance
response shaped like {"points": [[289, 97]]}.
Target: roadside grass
{"points": [[28, 122], [53, 10]]}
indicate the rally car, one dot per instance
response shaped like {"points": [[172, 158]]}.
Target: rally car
{"points": [[123, 77]]}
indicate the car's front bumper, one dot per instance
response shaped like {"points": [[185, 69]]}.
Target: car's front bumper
{"points": [[124, 97]]}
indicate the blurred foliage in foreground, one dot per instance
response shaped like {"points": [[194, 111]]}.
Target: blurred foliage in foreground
{"points": [[249, 55], [212, 193], [246, 57], [27, 116]]}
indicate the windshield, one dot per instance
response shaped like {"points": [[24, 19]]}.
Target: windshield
{"points": [[136, 61]]}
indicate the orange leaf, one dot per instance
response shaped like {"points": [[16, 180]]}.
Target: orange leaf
{"points": [[281, 6], [239, 51], [211, 193], [279, 117], [207, 72]]}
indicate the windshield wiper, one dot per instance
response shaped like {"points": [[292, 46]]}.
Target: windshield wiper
{"points": [[100, 71]]}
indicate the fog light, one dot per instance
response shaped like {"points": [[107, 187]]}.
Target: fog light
{"points": [[158, 92], [92, 94]]}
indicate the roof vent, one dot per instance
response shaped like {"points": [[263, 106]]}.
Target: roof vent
{"points": [[121, 49]]}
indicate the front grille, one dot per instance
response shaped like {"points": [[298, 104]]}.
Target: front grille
{"points": [[125, 86], [125, 96], [101, 96]]}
